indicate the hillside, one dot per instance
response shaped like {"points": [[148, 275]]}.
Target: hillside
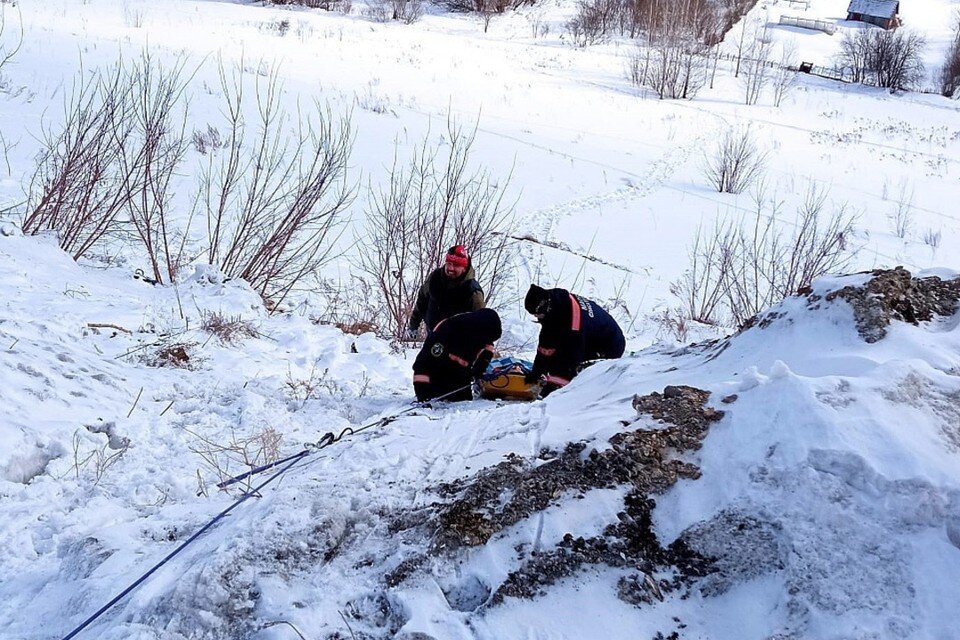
{"points": [[791, 475], [811, 486]]}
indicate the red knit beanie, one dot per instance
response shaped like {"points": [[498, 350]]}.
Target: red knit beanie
{"points": [[457, 255]]}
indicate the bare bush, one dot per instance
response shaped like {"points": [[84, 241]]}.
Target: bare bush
{"points": [[932, 238], [149, 163], [95, 460], [675, 58], [173, 355], [407, 11], [756, 65], [350, 306], [674, 323], [701, 287], [222, 456], [110, 170], [901, 218], [736, 162], [430, 203], [273, 207], [207, 141], [888, 59], [82, 184], [379, 10], [755, 263], [228, 329], [950, 71], [784, 77]]}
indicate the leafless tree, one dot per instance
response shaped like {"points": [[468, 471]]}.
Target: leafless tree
{"points": [[756, 65], [273, 206], [950, 71], [431, 202], [736, 161], [784, 76], [888, 59], [854, 54], [897, 58]]}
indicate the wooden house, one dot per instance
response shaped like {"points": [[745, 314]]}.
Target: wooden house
{"points": [[882, 13]]}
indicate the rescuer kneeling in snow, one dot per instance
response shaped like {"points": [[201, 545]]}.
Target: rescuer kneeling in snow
{"points": [[573, 330], [457, 351]]}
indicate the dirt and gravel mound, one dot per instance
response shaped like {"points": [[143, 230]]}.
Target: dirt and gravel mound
{"points": [[647, 461], [894, 294]]}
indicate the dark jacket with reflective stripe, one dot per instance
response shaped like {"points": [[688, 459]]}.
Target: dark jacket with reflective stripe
{"points": [[573, 331], [441, 297], [458, 349]]}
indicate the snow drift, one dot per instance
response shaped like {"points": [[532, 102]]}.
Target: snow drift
{"points": [[796, 480]]}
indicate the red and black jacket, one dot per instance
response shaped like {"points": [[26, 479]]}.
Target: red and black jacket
{"points": [[458, 349]]}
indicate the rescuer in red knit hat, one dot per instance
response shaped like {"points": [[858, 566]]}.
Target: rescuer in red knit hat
{"points": [[449, 290]]}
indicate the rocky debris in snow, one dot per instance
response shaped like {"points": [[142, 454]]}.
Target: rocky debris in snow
{"points": [[644, 460], [380, 611], [503, 495], [893, 294], [630, 544]]}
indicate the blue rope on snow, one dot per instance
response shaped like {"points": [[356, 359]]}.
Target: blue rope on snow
{"points": [[183, 546], [327, 440]]}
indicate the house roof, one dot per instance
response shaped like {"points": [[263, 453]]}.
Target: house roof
{"points": [[875, 8]]}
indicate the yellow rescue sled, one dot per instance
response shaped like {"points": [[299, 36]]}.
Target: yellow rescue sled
{"points": [[505, 379]]}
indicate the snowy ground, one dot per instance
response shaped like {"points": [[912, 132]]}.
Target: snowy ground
{"points": [[847, 452]]}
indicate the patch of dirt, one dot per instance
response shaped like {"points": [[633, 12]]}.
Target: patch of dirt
{"points": [[893, 294], [645, 460], [177, 355], [501, 496]]}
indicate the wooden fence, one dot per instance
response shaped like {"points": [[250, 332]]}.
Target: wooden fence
{"points": [[809, 23]]}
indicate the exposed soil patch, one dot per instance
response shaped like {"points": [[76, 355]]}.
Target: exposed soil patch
{"points": [[503, 495], [893, 294], [645, 460]]}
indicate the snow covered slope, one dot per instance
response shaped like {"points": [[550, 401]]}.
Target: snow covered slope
{"points": [[825, 503]]}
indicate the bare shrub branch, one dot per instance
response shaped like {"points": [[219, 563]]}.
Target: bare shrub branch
{"points": [[273, 209], [742, 268], [736, 161], [431, 202], [8, 51]]}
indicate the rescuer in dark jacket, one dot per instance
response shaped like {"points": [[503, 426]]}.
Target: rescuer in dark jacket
{"points": [[458, 350], [573, 330], [449, 290]]}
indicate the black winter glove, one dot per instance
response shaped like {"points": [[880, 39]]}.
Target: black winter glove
{"points": [[480, 365], [533, 378]]}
